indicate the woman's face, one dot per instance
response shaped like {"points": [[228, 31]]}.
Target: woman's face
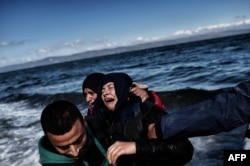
{"points": [[90, 96], [109, 97]]}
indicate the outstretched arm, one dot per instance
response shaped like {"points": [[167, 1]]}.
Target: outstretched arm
{"points": [[154, 150]]}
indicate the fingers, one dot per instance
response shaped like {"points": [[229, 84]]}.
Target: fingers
{"points": [[134, 89], [120, 148], [141, 93], [113, 153]]}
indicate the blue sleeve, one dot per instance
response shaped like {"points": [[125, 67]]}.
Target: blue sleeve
{"points": [[225, 112]]}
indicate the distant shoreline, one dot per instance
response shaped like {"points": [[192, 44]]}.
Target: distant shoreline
{"points": [[119, 50]]}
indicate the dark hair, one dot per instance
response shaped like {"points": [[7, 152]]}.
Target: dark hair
{"points": [[59, 117], [92, 81]]}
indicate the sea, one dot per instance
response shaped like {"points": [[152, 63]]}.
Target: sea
{"points": [[207, 65]]}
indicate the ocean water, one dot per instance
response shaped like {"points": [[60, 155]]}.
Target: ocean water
{"points": [[207, 65]]}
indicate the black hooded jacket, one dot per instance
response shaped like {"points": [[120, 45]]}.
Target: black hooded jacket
{"points": [[129, 122]]}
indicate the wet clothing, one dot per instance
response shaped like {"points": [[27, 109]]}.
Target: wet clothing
{"points": [[95, 155], [228, 110], [129, 122]]}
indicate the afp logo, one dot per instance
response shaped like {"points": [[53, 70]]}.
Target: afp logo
{"points": [[236, 157]]}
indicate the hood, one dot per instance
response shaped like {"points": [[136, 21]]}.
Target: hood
{"points": [[92, 81], [122, 83]]}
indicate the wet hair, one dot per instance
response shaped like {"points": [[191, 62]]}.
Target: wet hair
{"points": [[58, 117], [92, 81]]}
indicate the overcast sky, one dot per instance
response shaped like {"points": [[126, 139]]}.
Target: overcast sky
{"points": [[36, 29]]}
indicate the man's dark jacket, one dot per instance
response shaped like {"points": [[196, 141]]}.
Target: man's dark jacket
{"points": [[227, 111]]}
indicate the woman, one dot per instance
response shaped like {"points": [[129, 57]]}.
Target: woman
{"points": [[90, 86], [127, 120]]}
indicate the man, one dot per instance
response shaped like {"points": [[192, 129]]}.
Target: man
{"points": [[67, 141], [227, 111]]}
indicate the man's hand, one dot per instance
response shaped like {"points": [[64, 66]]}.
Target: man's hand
{"points": [[140, 92], [120, 148]]}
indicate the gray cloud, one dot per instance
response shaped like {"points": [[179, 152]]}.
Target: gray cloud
{"points": [[14, 43], [240, 17]]}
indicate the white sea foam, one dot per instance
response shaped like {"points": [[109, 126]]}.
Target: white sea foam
{"points": [[247, 142], [21, 132]]}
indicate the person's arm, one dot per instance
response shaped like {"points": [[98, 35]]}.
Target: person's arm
{"points": [[225, 112], [176, 152], [161, 150], [154, 150]]}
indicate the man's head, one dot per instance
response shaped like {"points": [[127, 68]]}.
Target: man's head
{"points": [[63, 124], [90, 87]]}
